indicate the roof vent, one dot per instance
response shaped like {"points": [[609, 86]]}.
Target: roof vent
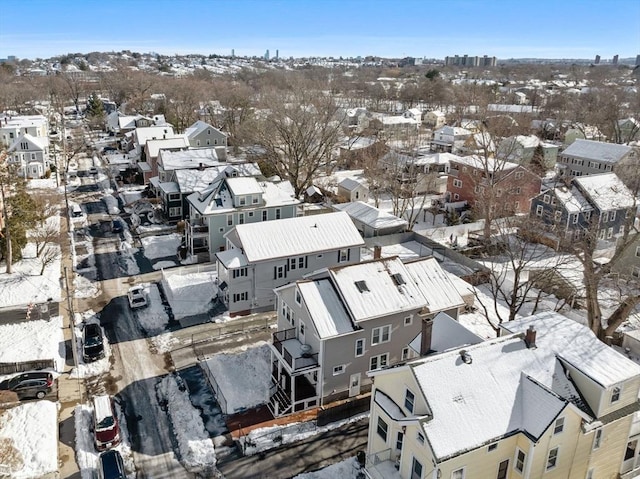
{"points": [[466, 357], [530, 338]]}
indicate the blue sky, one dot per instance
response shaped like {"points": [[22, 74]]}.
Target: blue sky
{"points": [[388, 28]]}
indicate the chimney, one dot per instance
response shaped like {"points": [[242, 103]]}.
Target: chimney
{"points": [[530, 338], [201, 166], [427, 329], [377, 252], [466, 357]]}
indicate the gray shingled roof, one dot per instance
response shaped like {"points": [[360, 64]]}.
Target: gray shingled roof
{"points": [[596, 150]]}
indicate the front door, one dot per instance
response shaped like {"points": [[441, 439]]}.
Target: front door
{"points": [[503, 468], [354, 385]]}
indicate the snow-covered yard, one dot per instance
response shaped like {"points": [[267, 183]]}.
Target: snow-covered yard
{"points": [[189, 294], [32, 340], [347, 469], [161, 246], [29, 439], [248, 387]]}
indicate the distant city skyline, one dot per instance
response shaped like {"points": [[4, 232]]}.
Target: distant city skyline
{"points": [[302, 28]]}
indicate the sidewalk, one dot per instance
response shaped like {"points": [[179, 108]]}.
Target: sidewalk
{"points": [[71, 391]]}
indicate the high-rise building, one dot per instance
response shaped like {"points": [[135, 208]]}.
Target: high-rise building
{"points": [[597, 61], [637, 60], [615, 60], [266, 55], [277, 54], [467, 61], [233, 53]]}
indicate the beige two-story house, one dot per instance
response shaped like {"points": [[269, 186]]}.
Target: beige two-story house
{"points": [[545, 400]]}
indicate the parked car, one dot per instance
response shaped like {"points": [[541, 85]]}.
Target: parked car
{"points": [[92, 342], [35, 384], [137, 297], [76, 211], [106, 429], [111, 465]]}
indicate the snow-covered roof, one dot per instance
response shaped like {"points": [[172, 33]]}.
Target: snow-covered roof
{"points": [[572, 200], [34, 142], [143, 134], [198, 127], [350, 184], [240, 186], [452, 131], [188, 158], [295, 236], [435, 284], [169, 187], [370, 215], [232, 258], [194, 179], [128, 122], [154, 146], [480, 162], [325, 308], [606, 191], [596, 150], [21, 121]]}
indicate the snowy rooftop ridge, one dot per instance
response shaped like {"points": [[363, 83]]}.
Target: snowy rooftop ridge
{"points": [[295, 236], [507, 387]]}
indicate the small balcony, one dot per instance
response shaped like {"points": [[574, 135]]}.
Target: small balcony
{"points": [[198, 227], [382, 465], [297, 355]]}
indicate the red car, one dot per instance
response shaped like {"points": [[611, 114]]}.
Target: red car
{"points": [[105, 423]]}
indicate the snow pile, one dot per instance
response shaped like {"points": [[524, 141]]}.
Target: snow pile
{"points": [[29, 438], [84, 282], [196, 448], [153, 318], [127, 250], [189, 294], [163, 246], [85, 370], [31, 340], [267, 438], [112, 204], [347, 469], [246, 390], [25, 284], [42, 183]]}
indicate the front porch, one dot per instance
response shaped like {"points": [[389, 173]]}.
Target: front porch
{"points": [[382, 465]]}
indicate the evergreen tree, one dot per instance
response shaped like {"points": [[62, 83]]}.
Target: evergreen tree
{"points": [[95, 108]]}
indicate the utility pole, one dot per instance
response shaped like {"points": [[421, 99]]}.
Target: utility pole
{"points": [[9, 252], [72, 327]]}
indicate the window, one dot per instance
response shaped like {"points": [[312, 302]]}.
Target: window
{"points": [[519, 462], [278, 213], [359, 347], [416, 469], [379, 361], [174, 196], [559, 426], [610, 232], [456, 196], [177, 211], [243, 201], [558, 215], [635, 271], [458, 474], [457, 183], [229, 220], [612, 216], [237, 273], [409, 400], [519, 175], [301, 328], [237, 297], [399, 440], [575, 219], [587, 215], [292, 263], [597, 439], [552, 459], [630, 452], [615, 394], [337, 370], [405, 353], [420, 438], [398, 280], [539, 210], [241, 218], [517, 205], [301, 262], [254, 200], [605, 216], [492, 447], [33, 156], [380, 335], [264, 215], [408, 320], [518, 190], [343, 255], [279, 273], [382, 429], [298, 298], [546, 199]]}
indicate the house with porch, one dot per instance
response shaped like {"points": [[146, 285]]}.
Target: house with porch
{"points": [[240, 195], [337, 324], [546, 399], [265, 255]]}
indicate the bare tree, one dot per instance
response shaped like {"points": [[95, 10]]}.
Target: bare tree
{"points": [[299, 131], [50, 254]]}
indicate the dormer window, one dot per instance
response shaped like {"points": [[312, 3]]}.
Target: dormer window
{"points": [[243, 201], [615, 394]]}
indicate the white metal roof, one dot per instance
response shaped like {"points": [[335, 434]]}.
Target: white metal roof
{"points": [[297, 236], [370, 215], [232, 258], [325, 308], [435, 284], [244, 186], [154, 146], [596, 150]]}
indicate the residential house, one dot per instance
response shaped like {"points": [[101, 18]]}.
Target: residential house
{"points": [[628, 263], [509, 185], [260, 257], [357, 152], [408, 122], [140, 135], [350, 189], [587, 157], [435, 119], [602, 202], [30, 155], [152, 149], [546, 399], [522, 148], [422, 173], [338, 324], [12, 127], [371, 221], [240, 196], [449, 139], [358, 119], [627, 130], [201, 134], [583, 132]]}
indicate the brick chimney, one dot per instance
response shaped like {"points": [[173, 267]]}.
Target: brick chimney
{"points": [[530, 338], [377, 252], [427, 331]]}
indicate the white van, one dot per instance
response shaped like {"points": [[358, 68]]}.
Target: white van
{"points": [[76, 211]]}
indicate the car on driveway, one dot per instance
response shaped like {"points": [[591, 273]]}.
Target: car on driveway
{"points": [[117, 226], [34, 384], [137, 297], [111, 465], [106, 429], [92, 342]]}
